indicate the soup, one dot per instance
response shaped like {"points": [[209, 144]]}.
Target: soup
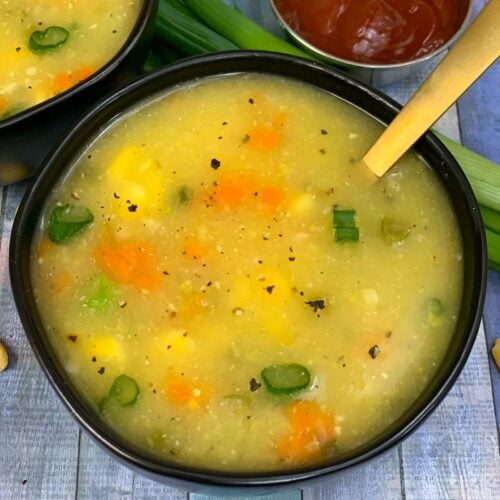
{"points": [[226, 292], [48, 47]]}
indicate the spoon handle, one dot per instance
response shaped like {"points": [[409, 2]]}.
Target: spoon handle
{"points": [[475, 51]]}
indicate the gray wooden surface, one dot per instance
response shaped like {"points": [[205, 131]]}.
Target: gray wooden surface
{"points": [[454, 455]]}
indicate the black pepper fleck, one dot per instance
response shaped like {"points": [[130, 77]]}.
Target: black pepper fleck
{"points": [[324, 132], [374, 351], [317, 305], [251, 101], [254, 385], [101, 370], [215, 163], [132, 208], [72, 338], [269, 289]]}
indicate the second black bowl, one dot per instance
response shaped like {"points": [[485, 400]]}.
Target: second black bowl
{"points": [[27, 137]]}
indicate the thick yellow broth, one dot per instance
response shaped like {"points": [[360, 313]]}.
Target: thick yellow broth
{"points": [[97, 30], [244, 272]]}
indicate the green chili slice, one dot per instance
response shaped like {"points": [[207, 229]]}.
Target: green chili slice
{"points": [[124, 390], [68, 220], [51, 38], [394, 231], [286, 379]]}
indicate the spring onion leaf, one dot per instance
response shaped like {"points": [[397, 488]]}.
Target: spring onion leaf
{"points": [[238, 28], [493, 242], [187, 35], [491, 219], [483, 174]]}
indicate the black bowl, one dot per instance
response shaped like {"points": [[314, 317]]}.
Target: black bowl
{"points": [[27, 137], [374, 103]]}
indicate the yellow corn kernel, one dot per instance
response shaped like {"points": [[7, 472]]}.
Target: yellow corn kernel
{"points": [[103, 348], [175, 341], [302, 204], [138, 178]]}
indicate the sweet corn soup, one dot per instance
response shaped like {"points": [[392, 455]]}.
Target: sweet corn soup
{"points": [[48, 47], [226, 293]]}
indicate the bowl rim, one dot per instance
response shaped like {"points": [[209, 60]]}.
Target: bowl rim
{"points": [[145, 14], [118, 447], [327, 56]]}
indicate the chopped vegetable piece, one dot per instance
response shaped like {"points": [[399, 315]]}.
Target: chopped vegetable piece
{"points": [[344, 223], [495, 352], [286, 379], [68, 220], [184, 196], [130, 263], [344, 218], [104, 404], [100, 294], [312, 428], [434, 310], [346, 234], [394, 231], [43, 41], [124, 390], [190, 394]]}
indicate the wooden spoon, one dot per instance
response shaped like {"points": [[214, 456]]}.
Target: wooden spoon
{"points": [[475, 51]]}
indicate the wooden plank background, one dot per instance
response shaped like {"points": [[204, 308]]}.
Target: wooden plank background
{"points": [[454, 455]]}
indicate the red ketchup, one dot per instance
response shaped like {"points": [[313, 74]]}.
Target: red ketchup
{"points": [[374, 31]]}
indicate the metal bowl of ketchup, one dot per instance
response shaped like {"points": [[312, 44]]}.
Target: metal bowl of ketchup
{"points": [[379, 41]]}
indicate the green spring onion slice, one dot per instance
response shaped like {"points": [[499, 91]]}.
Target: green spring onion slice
{"points": [[51, 38], [344, 218], [124, 390], [344, 234], [286, 379], [394, 231]]}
